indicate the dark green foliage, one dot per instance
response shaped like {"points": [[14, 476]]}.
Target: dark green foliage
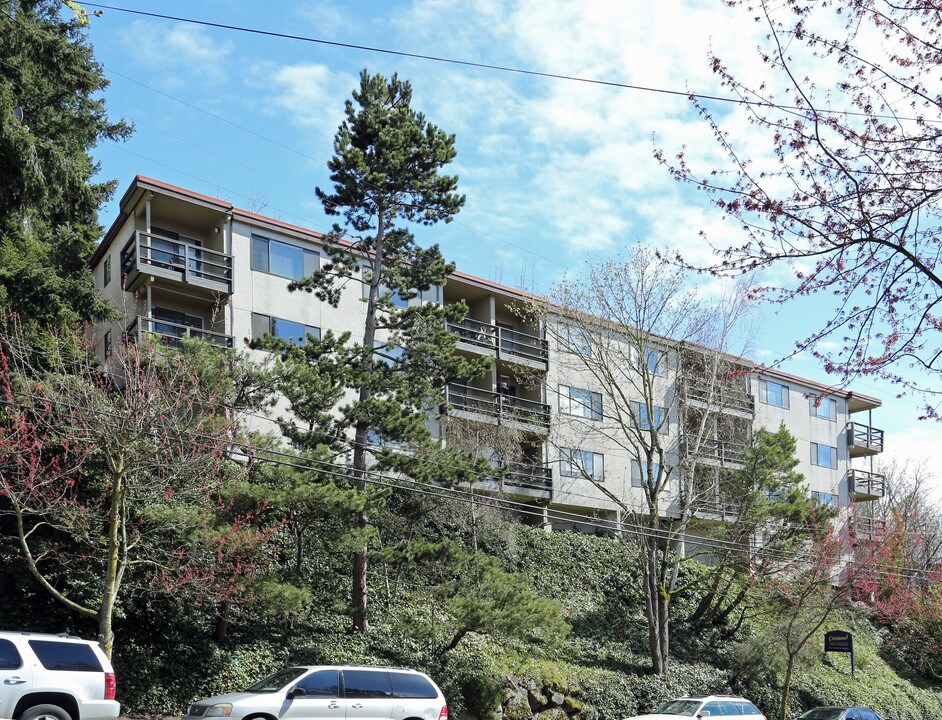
{"points": [[49, 199]]}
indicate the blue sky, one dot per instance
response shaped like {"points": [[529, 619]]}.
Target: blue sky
{"points": [[556, 172]]}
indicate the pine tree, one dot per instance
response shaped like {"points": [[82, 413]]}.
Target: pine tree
{"points": [[49, 198], [386, 176]]}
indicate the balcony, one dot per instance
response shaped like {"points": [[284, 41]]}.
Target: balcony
{"points": [[502, 343], [184, 261], [170, 333], [723, 452], [863, 440], [496, 408], [530, 477], [716, 510], [866, 529], [724, 399], [863, 485]]}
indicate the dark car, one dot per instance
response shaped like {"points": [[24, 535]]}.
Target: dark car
{"points": [[840, 713]]}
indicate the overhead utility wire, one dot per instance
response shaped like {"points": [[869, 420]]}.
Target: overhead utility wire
{"points": [[434, 58], [488, 66]]}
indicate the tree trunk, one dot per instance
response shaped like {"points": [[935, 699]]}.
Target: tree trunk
{"points": [[359, 594], [786, 688], [653, 608], [112, 571], [222, 622]]}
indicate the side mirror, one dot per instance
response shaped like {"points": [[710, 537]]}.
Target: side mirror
{"points": [[296, 692], [704, 713]]}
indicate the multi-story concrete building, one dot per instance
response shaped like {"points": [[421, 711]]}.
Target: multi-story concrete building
{"points": [[184, 264]]}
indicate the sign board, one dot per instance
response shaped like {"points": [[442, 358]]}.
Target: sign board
{"points": [[840, 641]]}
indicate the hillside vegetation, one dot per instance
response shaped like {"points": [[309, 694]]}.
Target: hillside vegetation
{"points": [[166, 655]]}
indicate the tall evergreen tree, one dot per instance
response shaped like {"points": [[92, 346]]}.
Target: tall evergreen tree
{"points": [[386, 175], [50, 117]]}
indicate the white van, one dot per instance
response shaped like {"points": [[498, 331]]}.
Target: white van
{"points": [[331, 692]]}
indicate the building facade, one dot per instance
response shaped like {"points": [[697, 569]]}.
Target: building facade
{"points": [[182, 264]]}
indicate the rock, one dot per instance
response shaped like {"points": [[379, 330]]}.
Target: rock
{"points": [[552, 714], [517, 706], [538, 700], [557, 698]]}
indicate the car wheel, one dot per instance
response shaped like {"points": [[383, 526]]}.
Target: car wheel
{"points": [[45, 712]]}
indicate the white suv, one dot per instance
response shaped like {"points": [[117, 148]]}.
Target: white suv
{"points": [[340, 692], [55, 677], [729, 707]]}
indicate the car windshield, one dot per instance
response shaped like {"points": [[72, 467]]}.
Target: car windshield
{"points": [[824, 713], [274, 683], [679, 707]]}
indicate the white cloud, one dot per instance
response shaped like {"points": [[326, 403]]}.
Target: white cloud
{"points": [[309, 94], [183, 53]]}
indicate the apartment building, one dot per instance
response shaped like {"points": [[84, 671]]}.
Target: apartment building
{"points": [[183, 264]]}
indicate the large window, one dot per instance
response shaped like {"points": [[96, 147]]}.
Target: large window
{"points": [[579, 340], [656, 419], [580, 463], [367, 684], [56, 655], [283, 329], [653, 361], [639, 474], [825, 408], [580, 402], [773, 393], [278, 258], [826, 498], [9, 656], [823, 455]]}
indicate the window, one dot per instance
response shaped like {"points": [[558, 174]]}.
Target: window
{"points": [[107, 271], [323, 683], [274, 683], [366, 684], [772, 393], [108, 344], [579, 340], [55, 655], [825, 498], [580, 463], [639, 474], [824, 408], [278, 258], [287, 330], [407, 685], [579, 402], [654, 361], [396, 299], [658, 417], [823, 455], [9, 656], [391, 357]]}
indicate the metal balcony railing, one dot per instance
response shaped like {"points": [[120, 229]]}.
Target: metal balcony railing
{"points": [[867, 529], [864, 485], [506, 343], [171, 333], [496, 406], [863, 439], [180, 260], [531, 477], [722, 398], [722, 451]]}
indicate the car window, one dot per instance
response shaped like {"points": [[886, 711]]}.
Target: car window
{"points": [[744, 707], [55, 655], [869, 715], [9, 656], [323, 683], [274, 683], [366, 684], [853, 715], [711, 707], [824, 713], [685, 708], [728, 708], [407, 685]]}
